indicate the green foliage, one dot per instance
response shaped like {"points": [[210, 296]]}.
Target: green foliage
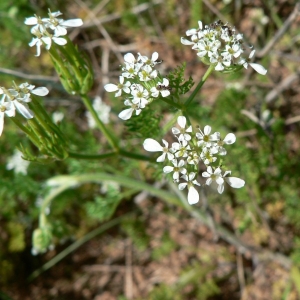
{"points": [[144, 125], [104, 207], [166, 246], [178, 82], [17, 237], [136, 230], [164, 292]]}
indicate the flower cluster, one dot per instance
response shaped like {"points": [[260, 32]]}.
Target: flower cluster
{"points": [[183, 158], [218, 44], [141, 82], [49, 29], [17, 98]]}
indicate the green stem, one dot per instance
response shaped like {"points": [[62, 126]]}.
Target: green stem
{"points": [[68, 181], [103, 128], [172, 103], [92, 156], [136, 156], [199, 86]]}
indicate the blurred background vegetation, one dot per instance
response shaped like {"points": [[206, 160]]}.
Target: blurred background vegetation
{"points": [[159, 252]]}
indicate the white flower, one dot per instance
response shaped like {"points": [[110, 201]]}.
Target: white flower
{"points": [[17, 163], [181, 148], [38, 23], [161, 87], [193, 158], [220, 62], [147, 73], [140, 95], [178, 168], [45, 40], [193, 195], [205, 138], [6, 108], [207, 155], [219, 179], [207, 48], [110, 87], [127, 113], [152, 145], [25, 90], [235, 50], [183, 135], [151, 62], [216, 176], [59, 25], [23, 109], [102, 111]]}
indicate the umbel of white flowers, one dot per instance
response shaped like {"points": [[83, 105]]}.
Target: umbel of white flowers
{"points": [[49, 29], [182, 158], [140, 82], [218, 44], [16, 98]]}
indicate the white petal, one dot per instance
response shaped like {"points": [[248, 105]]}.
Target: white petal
{"points": [[258, 68], [170, 156], [193, 196], [40, 91], [175, 130], [129, 58], [221, 188], [200, 25], [186, 42], [209, 170], [161, 158], [168, 169], [205, 174], [181, 186], [165, 93], [207, 130], [229, 139], [110, 87], [154, 56], [181, 121], [251, 54], [181, 163], [72, 23], [59, 31], [126, 114], [189, 129], [31, 21], [208, 181], [235, 182], [220, 180], [59, 41], [152, 145], [23, 110], [165, 82], [165, 143]]}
